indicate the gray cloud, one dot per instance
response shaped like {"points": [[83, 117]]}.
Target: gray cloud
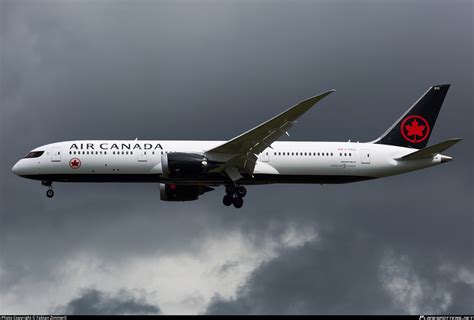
{"points": [[347, 275], [95, 302], [313, 279], [207, 70]]}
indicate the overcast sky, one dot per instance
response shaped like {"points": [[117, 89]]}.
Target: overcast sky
{"points": [[211, 70]]}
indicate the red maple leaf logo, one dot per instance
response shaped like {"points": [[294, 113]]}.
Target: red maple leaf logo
{"points": [[75, 163], [415, 129]]}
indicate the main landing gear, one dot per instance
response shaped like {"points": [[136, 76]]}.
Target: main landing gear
{"points": [[234, 195], [49, 192]]}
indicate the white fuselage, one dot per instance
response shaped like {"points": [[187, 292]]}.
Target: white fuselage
{"points": [[290, 162]]}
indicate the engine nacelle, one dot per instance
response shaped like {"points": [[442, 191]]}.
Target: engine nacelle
{"points": [[175, 192], [181, 165]]}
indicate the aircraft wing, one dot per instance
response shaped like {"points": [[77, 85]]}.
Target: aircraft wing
{"points": [[241, 152]]}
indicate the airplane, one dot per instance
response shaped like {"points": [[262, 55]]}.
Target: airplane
{"points": [[185, 170]]}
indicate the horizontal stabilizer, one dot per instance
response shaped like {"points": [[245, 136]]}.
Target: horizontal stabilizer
{"points": [[431, 151]]}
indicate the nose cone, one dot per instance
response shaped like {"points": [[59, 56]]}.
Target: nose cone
{"points": [[16, 168]]}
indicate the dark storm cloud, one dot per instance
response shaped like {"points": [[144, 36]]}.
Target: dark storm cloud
{"points": [[208, 70], [95, 302], [346, 274], [314, 279]]}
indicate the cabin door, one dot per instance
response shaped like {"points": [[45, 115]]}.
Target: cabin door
{"points": [[56, 155], [365, 156]]}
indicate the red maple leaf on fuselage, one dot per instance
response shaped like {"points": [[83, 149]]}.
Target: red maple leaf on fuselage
{"points": [[415, 129]]}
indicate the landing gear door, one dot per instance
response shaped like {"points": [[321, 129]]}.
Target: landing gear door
{"points": [[142, 155], [365, 156], [56, 155]]}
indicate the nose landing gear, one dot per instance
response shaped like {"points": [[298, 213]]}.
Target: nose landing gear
{"points": [[234, 195], [49, 192]]}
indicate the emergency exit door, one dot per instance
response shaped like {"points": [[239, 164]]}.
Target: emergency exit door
{"points": [[142, 155], [264, 156]]}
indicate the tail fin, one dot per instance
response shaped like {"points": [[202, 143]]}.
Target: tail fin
{"points": [[414, 128]]}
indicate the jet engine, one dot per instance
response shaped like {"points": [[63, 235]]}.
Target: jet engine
{"points": [[181, 165], [175, 192]]}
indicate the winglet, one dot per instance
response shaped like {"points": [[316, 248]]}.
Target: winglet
{"points": [[301, 107], [311, 101]]}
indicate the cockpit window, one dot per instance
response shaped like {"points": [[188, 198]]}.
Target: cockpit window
{"points": [[34, 154]]}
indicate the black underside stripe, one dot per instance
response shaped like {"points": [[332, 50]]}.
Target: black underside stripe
{"points": [[219, 179]]}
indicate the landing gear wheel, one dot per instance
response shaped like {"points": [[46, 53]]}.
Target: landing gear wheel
{"points": [[238, 202], [229, 189], [50, 193], [241, 191], [228, 200]]}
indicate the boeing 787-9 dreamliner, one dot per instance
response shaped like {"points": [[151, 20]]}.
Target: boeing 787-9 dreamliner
{"points": [[185, 170]]}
